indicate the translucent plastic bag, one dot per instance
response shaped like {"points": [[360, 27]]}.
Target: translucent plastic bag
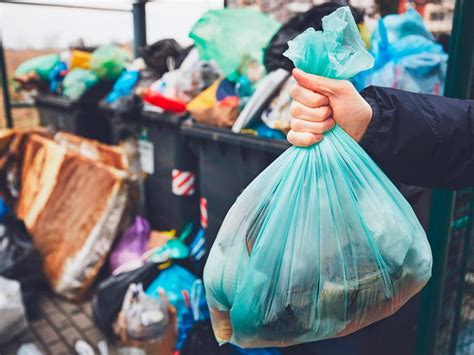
{"points": [[77, 82], [41, 66], [321, 243], [233, 37], [407, 57], [13, 318], [108, 62]]}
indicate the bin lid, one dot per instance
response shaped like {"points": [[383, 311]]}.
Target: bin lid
{"points": [[211, 133]]}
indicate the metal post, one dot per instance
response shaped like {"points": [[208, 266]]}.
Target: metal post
{"points": [[5, 91], [457, 85], [139, 26]]}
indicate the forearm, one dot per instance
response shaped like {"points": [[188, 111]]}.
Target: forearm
{"points": [[422, 140]]}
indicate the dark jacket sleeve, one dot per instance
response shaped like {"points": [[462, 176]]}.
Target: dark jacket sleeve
{"points": [[420, 139]]}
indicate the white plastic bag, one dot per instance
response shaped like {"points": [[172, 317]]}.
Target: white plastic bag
{"points": [[12, 311]]}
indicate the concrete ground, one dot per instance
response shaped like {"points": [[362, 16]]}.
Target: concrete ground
{"points": [[57, 328]]}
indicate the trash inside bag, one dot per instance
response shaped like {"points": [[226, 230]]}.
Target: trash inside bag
{"points": [[217, 29], [110, 294], [77, 82], [13, 318], [321, 243], [20, 260], [146, 318], [132, 245]]}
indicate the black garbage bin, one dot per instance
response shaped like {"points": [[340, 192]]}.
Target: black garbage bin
{"points": [[228, 162], [171, 193], [82, 117], [123, 125]]}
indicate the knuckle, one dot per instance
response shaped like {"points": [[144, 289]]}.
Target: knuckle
{"points": [[295, 124], [295, 109], [294, 90]]}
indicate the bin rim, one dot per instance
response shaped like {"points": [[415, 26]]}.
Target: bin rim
{"points": [[165, 117], [216, 134], [54, 100]]}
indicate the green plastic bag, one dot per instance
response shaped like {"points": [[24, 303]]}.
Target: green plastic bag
{"points": [[108, 62], [233, 36], [41, 65], [77, 81], [321, 243]]}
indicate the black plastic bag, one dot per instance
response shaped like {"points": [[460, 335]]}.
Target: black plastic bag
{"points": [[201, 340], [273, 57], [20, 260], [109, 296], [158, 55]]}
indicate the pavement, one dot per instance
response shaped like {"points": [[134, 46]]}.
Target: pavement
{"points": [[57, 328]]}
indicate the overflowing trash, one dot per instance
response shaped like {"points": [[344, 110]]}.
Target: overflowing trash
{"points": [[76, 213], [73, 195], [371, 254], [71, 73]]}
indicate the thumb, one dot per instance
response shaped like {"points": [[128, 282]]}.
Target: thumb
{"points": [[319, 84]]}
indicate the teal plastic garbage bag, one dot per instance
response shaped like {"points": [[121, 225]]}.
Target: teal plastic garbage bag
{"points": [[233, 37], [407, 57], [109, 61], [321, 243], [41, 65], [77, 82]]}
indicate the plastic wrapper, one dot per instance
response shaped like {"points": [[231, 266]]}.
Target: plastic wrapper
{"points": [[321, 243], [189, 80], [77, 82], [217, 29], [132, 245], [13, 318], [146, 318], [108, 62]]}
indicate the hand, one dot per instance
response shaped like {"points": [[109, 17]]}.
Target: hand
{"points": [[319, 103]]}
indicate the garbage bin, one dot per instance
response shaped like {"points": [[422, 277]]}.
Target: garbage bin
{"points": [[171, 195], [228, 162], [123, 125], [82, 117]]}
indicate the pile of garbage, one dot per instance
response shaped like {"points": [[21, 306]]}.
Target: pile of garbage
{"points": [[72, 73]]}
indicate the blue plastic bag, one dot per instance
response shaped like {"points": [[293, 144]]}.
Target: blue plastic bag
{"points": [[124, 85], [186, 293], [321, 243], [406, 56]]}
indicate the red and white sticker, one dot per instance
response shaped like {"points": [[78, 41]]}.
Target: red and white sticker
{"points": [[182, 182], [203, 207]]}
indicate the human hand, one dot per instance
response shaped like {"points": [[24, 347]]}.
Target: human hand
{"points": [[319, 103]]}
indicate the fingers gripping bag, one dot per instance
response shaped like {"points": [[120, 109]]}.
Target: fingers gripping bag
{"points": [[321, 243]]}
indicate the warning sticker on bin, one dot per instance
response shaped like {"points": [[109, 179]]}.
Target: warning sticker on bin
{"points": [[183, 182], [146, 151]]}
